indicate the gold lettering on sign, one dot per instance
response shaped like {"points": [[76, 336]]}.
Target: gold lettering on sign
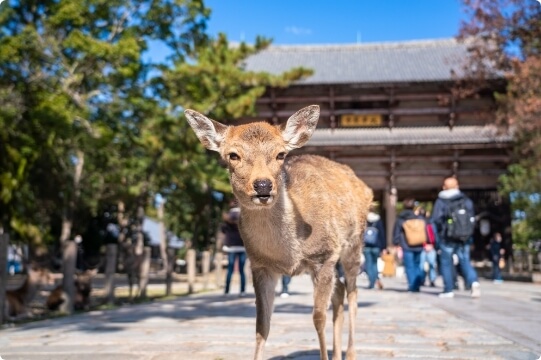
{"points": [[352, 120]]}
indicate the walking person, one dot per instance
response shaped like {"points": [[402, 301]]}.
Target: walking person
{"points": [[497, 251], [374, 244], [285, 286], [454, 217], [428, 255], [410, 234], [234, 247]]}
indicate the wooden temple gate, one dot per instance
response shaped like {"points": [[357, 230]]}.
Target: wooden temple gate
{"points": [[389, 111]]}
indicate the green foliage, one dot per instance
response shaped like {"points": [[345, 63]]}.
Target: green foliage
{"points": [[87, 120]]}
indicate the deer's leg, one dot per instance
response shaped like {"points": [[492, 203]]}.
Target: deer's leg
{"points": [[264, 284], [338, 319], [323, 287], [352, 261]]}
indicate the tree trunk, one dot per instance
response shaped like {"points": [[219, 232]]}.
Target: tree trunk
{"points": [[4, 240], [163, 237], [110, 270]]}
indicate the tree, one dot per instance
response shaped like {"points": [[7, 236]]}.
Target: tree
{"points": [[214, 82], [507, 39]]}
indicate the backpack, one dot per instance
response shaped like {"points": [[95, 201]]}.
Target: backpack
{"points": [[460, 220], [371, 236], [415, 232]]}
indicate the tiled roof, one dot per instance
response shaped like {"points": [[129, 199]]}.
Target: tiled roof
{"points": [[411, 61], [409, 136]]}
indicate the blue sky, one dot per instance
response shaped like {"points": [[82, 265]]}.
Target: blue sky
{"points": [[336, 21]]}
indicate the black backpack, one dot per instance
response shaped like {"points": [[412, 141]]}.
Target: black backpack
{"points": [[460, 220]]}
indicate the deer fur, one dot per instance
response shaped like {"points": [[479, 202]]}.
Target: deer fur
{"points": [[83, 288], [298, 213], [17, 300]]}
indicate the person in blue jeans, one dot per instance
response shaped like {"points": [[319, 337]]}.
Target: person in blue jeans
{"points": [[411, 254], [428, 255], [449, 246], [374, 243], [496, 252], [234, 247]]}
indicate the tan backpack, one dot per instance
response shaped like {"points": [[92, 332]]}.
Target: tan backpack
{"points": [[415, 232]]}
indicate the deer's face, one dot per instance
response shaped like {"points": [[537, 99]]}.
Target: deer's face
{"points": [[254, 154], [40, 276]]}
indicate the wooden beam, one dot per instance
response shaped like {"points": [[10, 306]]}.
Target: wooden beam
{"points": [[382, 111], [349, 98]]}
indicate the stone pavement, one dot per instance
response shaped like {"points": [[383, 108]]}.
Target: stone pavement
{"points": [[505, 323]]}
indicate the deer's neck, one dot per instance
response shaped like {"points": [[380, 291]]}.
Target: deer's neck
{"points": [[271, 236]]}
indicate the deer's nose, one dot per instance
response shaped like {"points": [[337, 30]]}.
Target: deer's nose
{"points": [[263, 187]]}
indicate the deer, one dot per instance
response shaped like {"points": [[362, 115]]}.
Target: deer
{"points": [[301, 213], [17, 300], [83, 288]]}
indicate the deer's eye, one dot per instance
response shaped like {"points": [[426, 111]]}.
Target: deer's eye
{"points": [[281, 156], [234, 156]]}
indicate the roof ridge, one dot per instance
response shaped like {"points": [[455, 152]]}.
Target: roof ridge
{"points": [[424, 43]]}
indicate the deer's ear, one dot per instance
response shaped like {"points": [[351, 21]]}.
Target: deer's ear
{"points": [[300, 127], [211, 133]]}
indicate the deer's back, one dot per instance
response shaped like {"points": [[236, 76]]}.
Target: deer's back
{"points": [[325, 191], [324, 213]]}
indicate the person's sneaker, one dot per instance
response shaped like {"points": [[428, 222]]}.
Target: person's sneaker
{"points": [[475, 289], [447, 295], [242, 294], [498, 281], [284, 295]]}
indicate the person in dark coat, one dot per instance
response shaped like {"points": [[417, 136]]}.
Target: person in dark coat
{"points": [[497, 251], [375, 243], [234, 247], [450, 246], [412, 254]]}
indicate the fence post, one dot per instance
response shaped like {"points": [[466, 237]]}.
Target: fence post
{"points": [[110, 270], [218, 258], [69, 258], [170, 253], [205, 268], [4, 240], [190, 269], [145, 272]]}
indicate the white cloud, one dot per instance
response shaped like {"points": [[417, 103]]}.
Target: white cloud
{"points": [[295, 30]]}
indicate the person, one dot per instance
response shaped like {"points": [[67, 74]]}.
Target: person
{"points": [[454, 217], [428, 255], [496, 253], [285, 286], [234, 247], [389, 263], [374, 243], [411, 243]]}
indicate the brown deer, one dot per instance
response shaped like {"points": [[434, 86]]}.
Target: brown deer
{"points": [[17, 300], [298, 213], [83, 288]]}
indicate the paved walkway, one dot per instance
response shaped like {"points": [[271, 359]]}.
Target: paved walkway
{"points": [[505, 323]]}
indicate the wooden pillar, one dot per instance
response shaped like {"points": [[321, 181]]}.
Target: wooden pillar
{"points": [[190, 269], [389, 202], [110, 270], [4, 240], [69, 258]]}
